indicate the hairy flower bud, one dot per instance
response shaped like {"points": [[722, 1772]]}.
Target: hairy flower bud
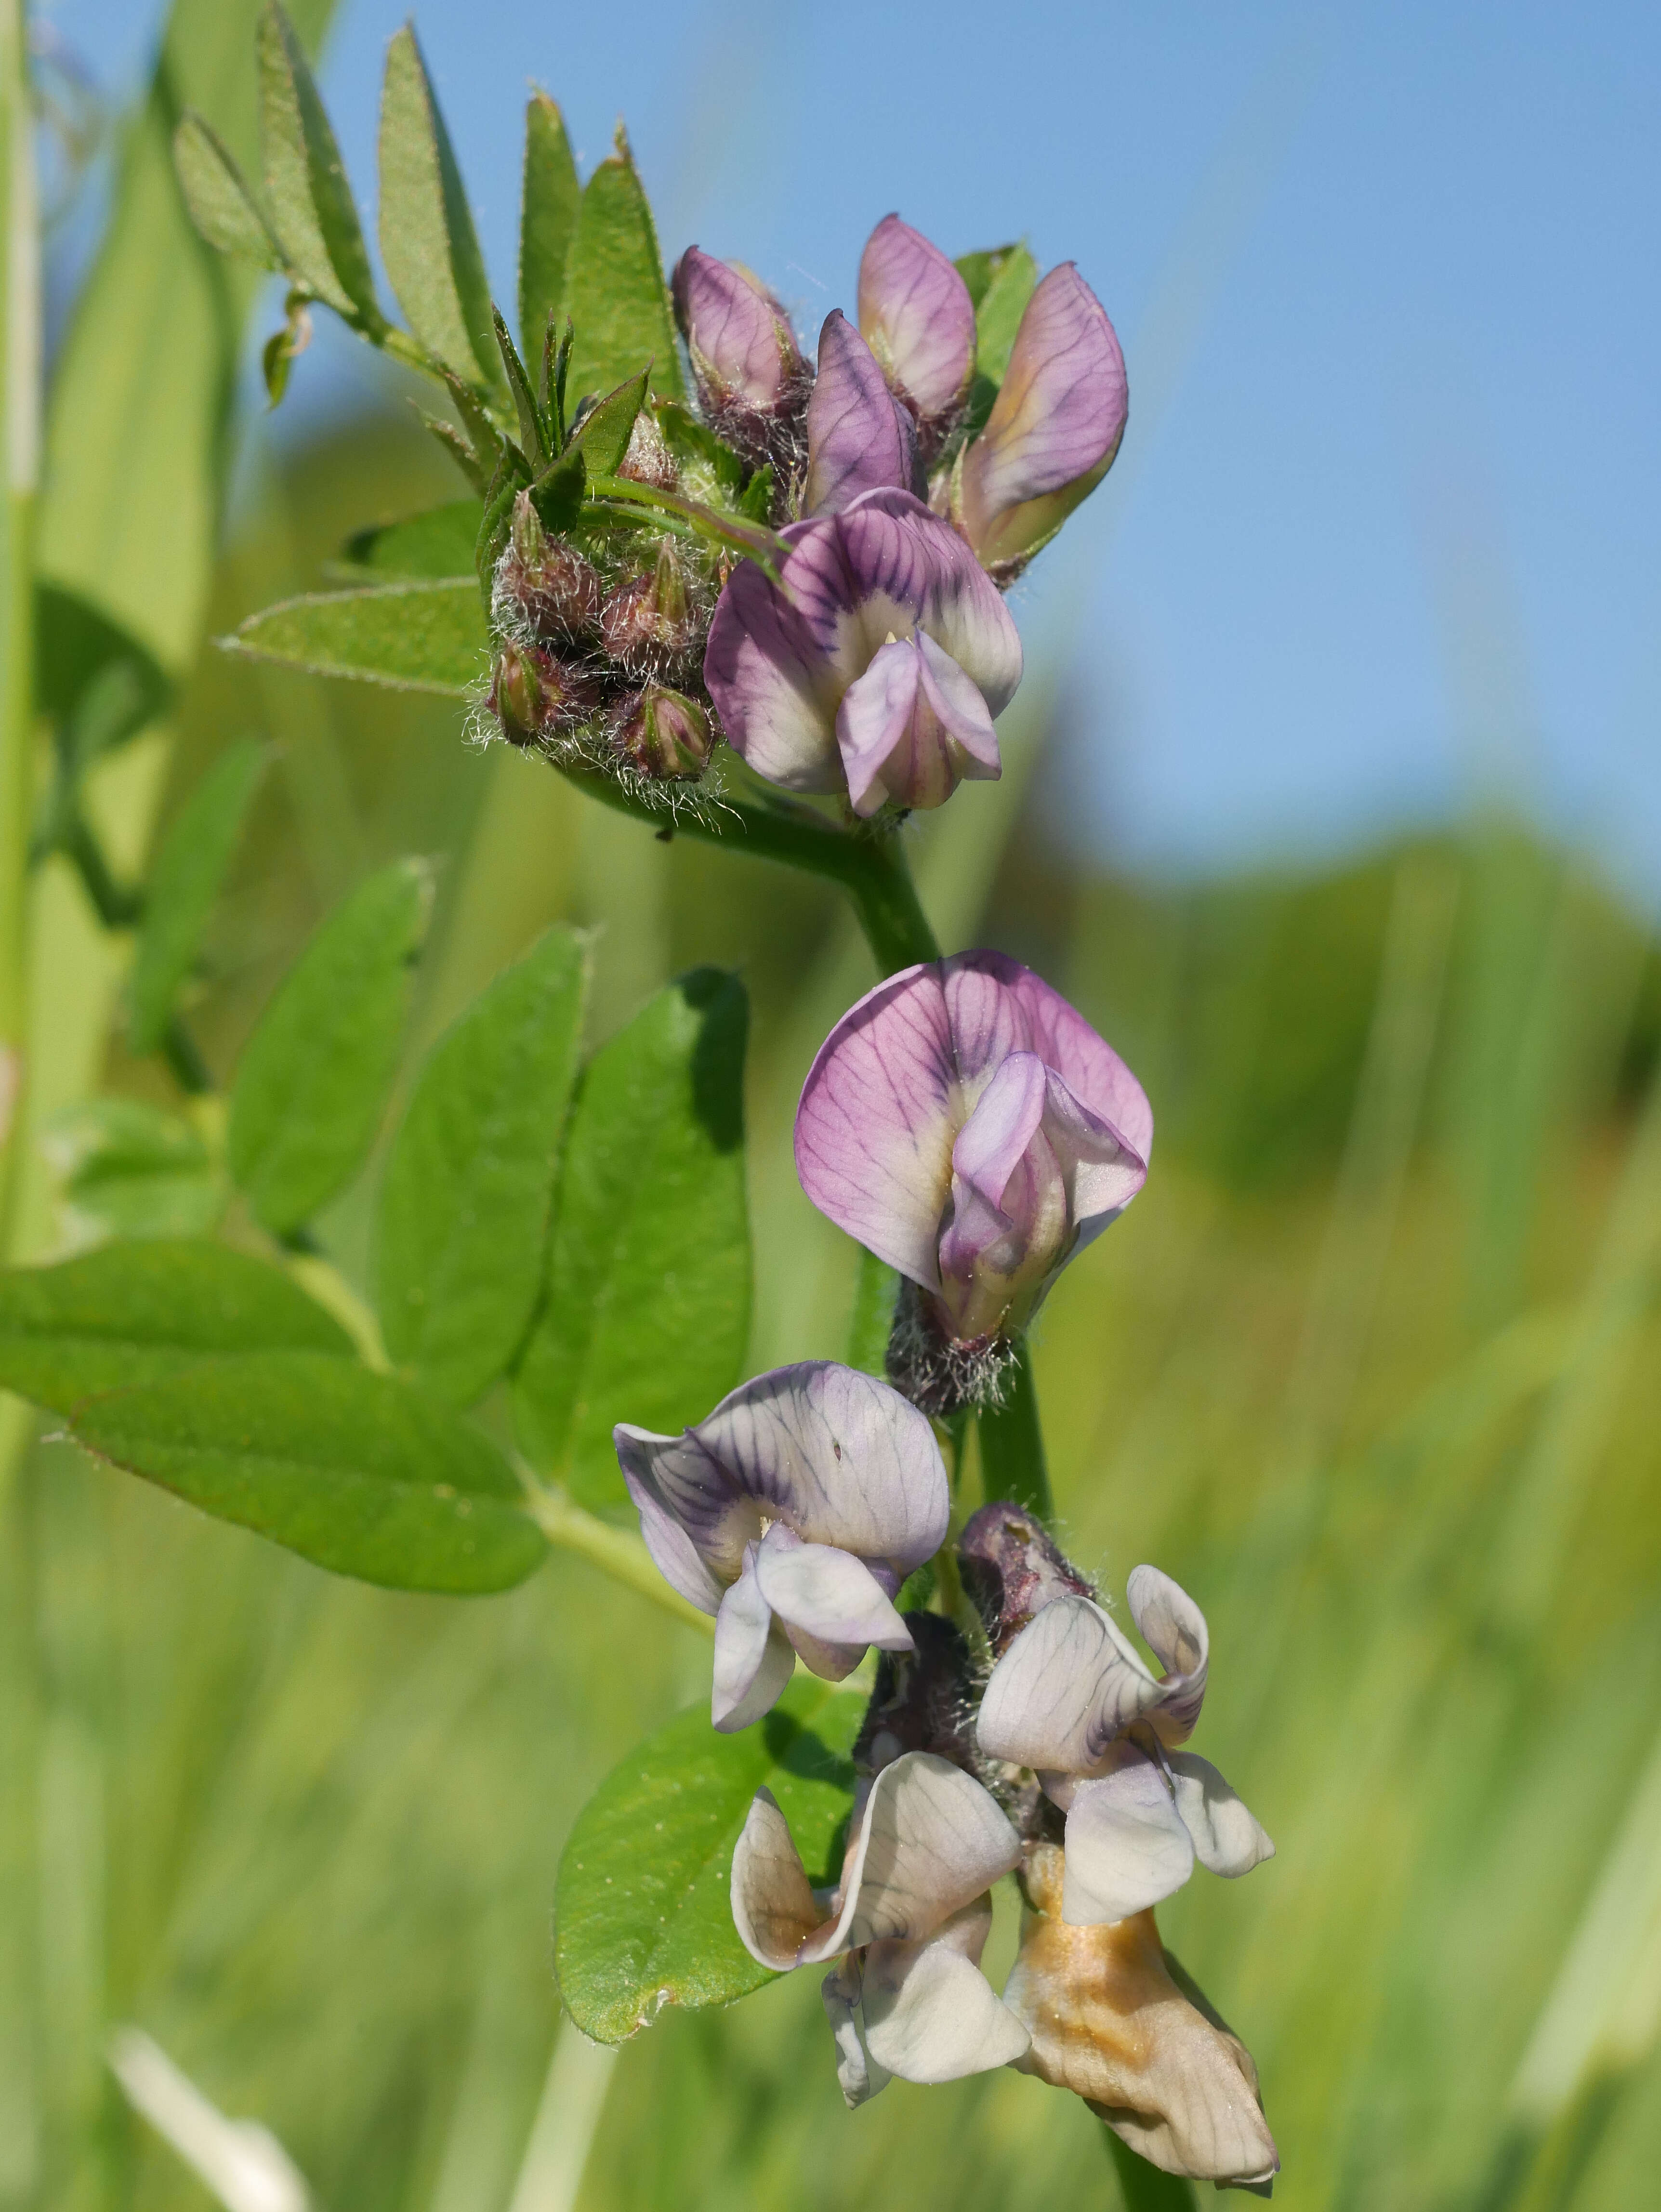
{"points": [[650, 626], [1011, 1568], [545, 582], [533, 694], [666, 736], [916, 316], [751, 376]]}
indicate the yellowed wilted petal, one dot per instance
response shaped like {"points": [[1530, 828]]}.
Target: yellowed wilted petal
{"points": [[1109, 2022]]}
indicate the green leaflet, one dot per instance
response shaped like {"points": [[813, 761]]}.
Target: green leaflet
{"points": [[221, 207], [134, 1313], [183, 883], [414, 636], [876, 1287], [646, 1313], [998, 311], [602, 436], [90, 676], [311, 200], [439, 544], [642, 1913], [463, 1220], [314, 1076], [548, 223], [360, 1472], [615, 296], [125, 1169], [427, 242]]}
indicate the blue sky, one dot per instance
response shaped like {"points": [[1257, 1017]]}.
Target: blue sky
{"points": [[1386, 525]]}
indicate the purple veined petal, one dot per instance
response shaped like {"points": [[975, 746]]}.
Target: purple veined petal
{"points": [[738, 337], [859, 436], [907, 568], [1227, 1839], [1174, 1629], [1055, 426], [858, 2076], [841, 1457], [930, 1841], [753, 1661], [991, 1147], [828, 1593], [773, 1908], [915, 315], [929, 2015], [1063, 1691], [1126, 1845], [912, 726], [768, 663], [674, 1554], [877, 1119], [1101, 1171]]}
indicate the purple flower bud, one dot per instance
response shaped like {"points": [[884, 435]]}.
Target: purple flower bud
{"points": [[649, 626], [1053, 429], [860, 438], [917, 317], [533, 694], [666, 736], [1011, 1568], [545, 581], [798, 674], [969, 1127], [751, 376]]}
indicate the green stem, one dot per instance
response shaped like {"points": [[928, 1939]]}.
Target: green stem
{"points": [[870, 867], [20, 373], [617, 1551], [1012, 1443], [1147, 2188]]}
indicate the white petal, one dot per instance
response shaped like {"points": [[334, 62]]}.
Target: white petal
{"points": [[858, 2076], [1127, 1845], [1174, 1629], [773, 1908], [1063, 1690], [930, 1841], [930, 2013], [835, 1597], [753, 1661], [1226, 1838]]}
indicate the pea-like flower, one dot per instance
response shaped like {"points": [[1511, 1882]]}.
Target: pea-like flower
{"points": [[967, 1126], [915, 315], [906, 1925], [878, 665], [793, 1513], [860, 437], [1113, 2017], [1053, 429], [751, 377], [1072, 1699]]}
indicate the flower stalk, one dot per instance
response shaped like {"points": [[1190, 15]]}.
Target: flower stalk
{"points": [[1012, 1463]]}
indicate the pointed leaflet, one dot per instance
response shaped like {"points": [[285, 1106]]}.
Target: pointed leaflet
{"points": [[417, 637], [998, 311], [359, 1472], [548, 223], [311, 201], [427, 242], [313, 1078], [602, 436], [126, 1168], [185, 880], [436, 544], [615, 292], [463, 1218], [646, 1312], [138, 1313], [217, 193], [642, 1910]]}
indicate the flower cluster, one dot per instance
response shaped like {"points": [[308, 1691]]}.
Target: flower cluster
{"points": [[972, 1129], [889, 492]]}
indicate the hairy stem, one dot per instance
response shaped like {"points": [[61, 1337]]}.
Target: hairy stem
{"points": [[1012, 1443], [1147, 2188]]}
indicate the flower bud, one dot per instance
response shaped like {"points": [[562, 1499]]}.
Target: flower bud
{"points": [[751, 376], [1053, 429], [650, 625], [1012, 1569], [533, 694], [666, 736], [918, 319], [544, 580]]}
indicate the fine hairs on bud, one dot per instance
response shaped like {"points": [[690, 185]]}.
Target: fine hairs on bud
{"points": [[941, 1375]]}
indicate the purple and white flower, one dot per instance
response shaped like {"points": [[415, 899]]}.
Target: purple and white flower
{"points": [[915, 315], [751, 377], [860, 437], [878, 666], [906, 1925], [1072, 1699], [1053, 429], [793, 1513], [967, 1126]]}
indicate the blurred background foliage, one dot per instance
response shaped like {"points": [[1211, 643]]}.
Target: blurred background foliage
{"points": [[1370, 1367]]}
